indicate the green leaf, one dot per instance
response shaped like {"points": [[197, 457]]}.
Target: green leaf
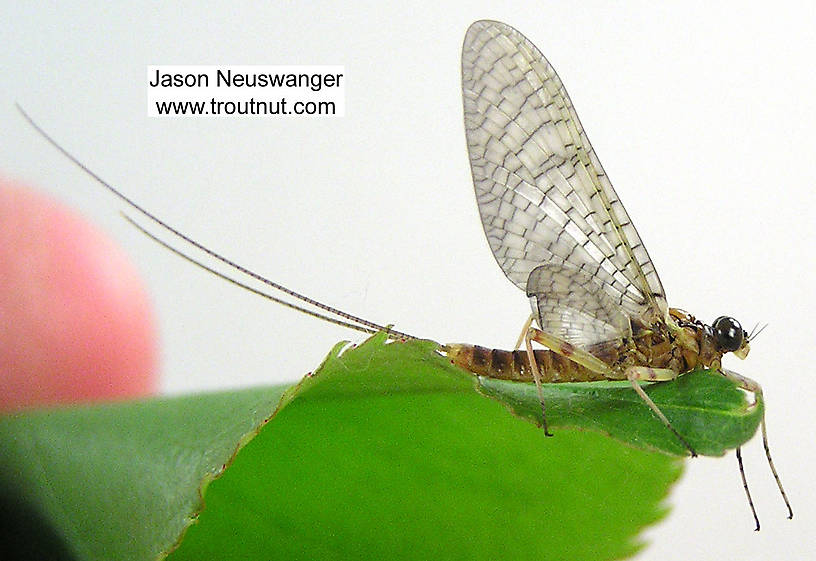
{"points": [[121, 481], [709, 411], [388, 451]]}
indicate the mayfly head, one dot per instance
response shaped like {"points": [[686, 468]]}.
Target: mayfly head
{"points": [[730, 337]]}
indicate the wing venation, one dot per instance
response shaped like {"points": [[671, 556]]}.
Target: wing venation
{"points": [[573, 306], [542, 193]]}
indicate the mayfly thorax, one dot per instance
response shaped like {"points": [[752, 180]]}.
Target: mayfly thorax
{"points": [[559, 232]]}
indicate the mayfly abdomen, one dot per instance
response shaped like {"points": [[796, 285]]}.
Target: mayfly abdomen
{"points": [[515, 365]]}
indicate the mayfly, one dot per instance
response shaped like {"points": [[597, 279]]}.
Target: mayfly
{"points": [[560, 233]]}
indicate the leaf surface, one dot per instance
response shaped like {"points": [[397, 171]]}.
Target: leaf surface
{"points": [[387, 452], [710, 412]]}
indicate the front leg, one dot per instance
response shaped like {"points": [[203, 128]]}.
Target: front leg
{"points": [[743, 382], [752, 386]]}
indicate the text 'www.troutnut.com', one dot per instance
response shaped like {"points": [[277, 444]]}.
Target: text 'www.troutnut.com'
{"points": [[254, 91]]}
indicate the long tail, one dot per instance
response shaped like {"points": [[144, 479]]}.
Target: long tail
{"points": [[351, 321]]}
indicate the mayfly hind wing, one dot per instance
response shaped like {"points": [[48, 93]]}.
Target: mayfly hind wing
{"points": [[572, 306], [542, 193]]}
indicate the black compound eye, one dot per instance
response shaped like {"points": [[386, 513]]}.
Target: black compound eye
{"points": [[728, 332]]}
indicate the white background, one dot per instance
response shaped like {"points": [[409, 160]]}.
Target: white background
{"points": [[703, 118]]}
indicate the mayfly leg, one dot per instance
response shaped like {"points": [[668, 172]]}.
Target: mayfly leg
{"points": [[747, 491], [752, 386], [634, 374], [570, 351], [537, 378], [523, 335], [561, 347]]}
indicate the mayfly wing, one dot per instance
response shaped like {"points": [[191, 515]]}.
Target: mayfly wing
{"points": [[574, 307], [542, 193]]}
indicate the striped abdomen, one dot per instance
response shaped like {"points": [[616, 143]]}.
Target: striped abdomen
{"points": [[514, 365]]}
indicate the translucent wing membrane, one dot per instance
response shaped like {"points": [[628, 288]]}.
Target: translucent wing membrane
{"points": [[571, 305], [542, 193]]}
